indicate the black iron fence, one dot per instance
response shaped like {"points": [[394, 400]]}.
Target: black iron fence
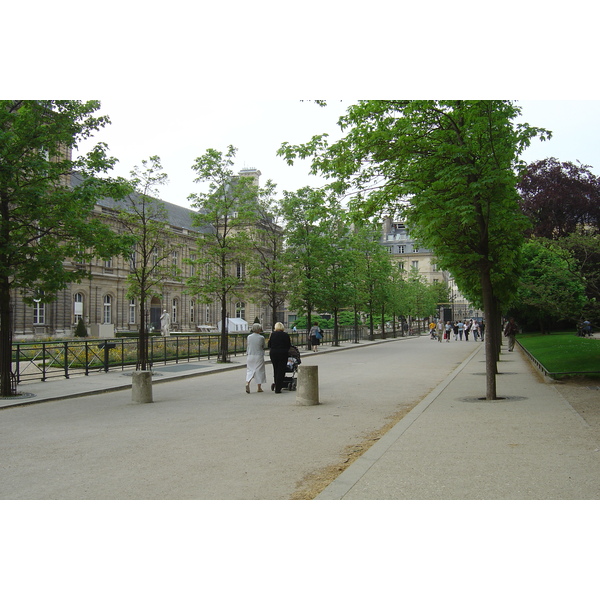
{"points": [[47, 360]]}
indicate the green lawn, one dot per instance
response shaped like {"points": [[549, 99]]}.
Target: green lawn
{"points": [[563, 352]]}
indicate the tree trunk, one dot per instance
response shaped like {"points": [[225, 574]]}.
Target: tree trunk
{"points": [[142, 362], [490, 351], [224, 338], [5, 339]]}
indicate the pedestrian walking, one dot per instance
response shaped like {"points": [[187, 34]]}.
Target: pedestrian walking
{"points": [[510, 331], [316, 335], [255, 363], [461, 329], [475, 330], [482, 329], [448, 331], [467, 330], [455, 330], [279, 345]]}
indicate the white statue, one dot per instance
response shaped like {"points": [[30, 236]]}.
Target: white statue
{"points": [[165, 323]]}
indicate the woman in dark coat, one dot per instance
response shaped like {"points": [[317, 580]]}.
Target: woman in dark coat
{"points": [[279, 344]]}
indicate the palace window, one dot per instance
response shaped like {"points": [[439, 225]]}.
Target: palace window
{"points": [[240, 310], [107, 309], [132, 311], [174, 307], [77, 307], [39, 312]]}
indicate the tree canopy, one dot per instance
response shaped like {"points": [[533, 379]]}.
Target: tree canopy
{"points": [[224, 215], [46, 203], [560, 198], [450, 167]]}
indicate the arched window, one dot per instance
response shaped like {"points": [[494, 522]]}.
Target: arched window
{"points": [[39, 311], [77, 307], [240, 310], [107, 309]]}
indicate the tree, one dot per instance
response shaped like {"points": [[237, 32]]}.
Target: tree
{"points": [[45, 217], [450, 166], [377, 270], [420, 298], [267, 267], [306, 248], [337, 288], [560, 198], [585, 249], [225, 215], [550, 286], [81, 330], [145, 219]]}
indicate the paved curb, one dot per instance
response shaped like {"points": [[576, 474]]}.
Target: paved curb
{"points": [[346, 481]]}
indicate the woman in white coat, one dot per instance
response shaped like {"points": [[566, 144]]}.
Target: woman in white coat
{"points": [[255, 365]]}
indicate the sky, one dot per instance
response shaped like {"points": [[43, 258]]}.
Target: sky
{"points": [[257, 128]]}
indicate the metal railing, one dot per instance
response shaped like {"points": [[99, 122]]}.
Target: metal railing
{"points": [[47, 360]]}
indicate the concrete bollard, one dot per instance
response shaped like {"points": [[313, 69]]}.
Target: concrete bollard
{"points": [[141, 387], [307, 393]]}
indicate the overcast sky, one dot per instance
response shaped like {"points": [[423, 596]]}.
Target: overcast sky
{"points": [[257, 128]]}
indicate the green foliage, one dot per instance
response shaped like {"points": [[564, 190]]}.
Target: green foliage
{"points": [[225, 217], [46, 203], [585, 249], [550, 286], [144, 217], [266, 264], [450, 167], [81, 329], [307, 247]]}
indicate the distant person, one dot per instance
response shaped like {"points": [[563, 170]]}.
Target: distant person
{"points": [[587, 329], [279, 345], [482, 329], [316, 336], [461, 329], [448, 331], [475, 330], [510, 331], [255, 364], [468, 330], [455, 330], [432, 330]]}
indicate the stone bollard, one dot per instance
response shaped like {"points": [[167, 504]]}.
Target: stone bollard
{"points": [[141, 387], [307, 393]]}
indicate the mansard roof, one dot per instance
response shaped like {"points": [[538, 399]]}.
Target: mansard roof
{"points": [[177, 216]]}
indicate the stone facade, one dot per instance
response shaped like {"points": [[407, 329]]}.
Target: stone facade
{"points": [[102, 303], [405, 251]]}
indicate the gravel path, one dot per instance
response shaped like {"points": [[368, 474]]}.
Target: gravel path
{"points": [[205, 438]]}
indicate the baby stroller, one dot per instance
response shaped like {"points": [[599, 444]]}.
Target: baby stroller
{"points": [[291, 369]]}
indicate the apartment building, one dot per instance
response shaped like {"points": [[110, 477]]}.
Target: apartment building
{"points": [[407, 253]]}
